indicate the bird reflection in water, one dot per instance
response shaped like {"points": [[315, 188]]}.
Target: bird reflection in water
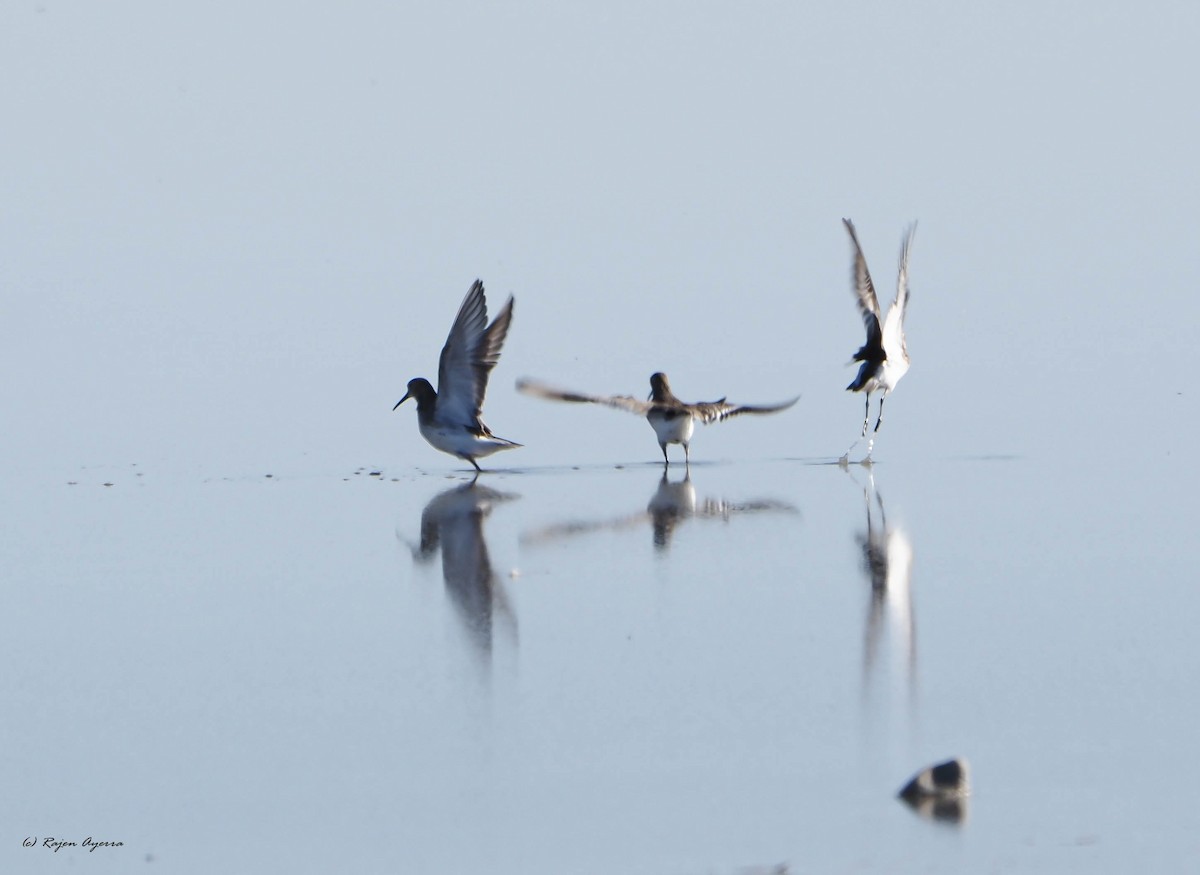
{"points": [[887, 560], [673, 503], [453, 522]]}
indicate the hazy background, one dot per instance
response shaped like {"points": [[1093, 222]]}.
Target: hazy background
{"points": [[230, 233]]}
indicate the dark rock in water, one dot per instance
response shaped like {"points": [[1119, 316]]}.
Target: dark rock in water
{"points": [[939, 792], [948, 780]]}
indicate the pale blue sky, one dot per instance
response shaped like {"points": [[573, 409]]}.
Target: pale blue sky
{"points": [[232, 233]]}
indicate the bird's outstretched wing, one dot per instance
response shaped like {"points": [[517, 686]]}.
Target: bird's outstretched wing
{"points": [[471, 351], [893, 325], [864, 291], [620, 402], [711, 412]]}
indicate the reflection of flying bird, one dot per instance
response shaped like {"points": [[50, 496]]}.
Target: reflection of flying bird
{"points": [[453, 522], [449, 418], [887, 560], [884, 356], [672, 503], [673, 420]]}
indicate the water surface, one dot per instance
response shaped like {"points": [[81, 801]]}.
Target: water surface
{"points": [[602, 668]]}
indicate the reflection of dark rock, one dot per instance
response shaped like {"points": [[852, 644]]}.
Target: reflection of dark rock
{"points": [[673, 503], [951, 811], [940, 792], [453, 521]]}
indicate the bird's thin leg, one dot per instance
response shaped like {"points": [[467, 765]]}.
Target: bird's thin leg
{"points": [[478, 470], [867, 414], [879, 421], [687, 457], [666, 461]]}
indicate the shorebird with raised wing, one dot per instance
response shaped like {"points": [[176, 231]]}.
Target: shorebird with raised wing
{"points": [[449, 418], [673, 420], [884, 356]]}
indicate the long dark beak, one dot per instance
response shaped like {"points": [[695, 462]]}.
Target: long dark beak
{"points": [[407, 395]]}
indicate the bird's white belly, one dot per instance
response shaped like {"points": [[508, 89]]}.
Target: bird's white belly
{"points": [[891, 372], [458, 441], [672, 430], [455, 440], [462, 442]]}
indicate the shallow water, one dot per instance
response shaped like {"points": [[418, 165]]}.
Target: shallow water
{"points": [[599, 669]]}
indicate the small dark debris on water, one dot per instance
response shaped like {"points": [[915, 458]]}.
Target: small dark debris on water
{"points": [[376, 473], [108, 484], [72, 482], [268, 475]]}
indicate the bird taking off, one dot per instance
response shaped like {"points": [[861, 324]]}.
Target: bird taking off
{"points": [[673, 420], [884, 356], [450, 418]]}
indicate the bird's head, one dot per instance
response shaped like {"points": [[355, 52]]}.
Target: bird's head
{"points": [[659, 387], [420, 389]]}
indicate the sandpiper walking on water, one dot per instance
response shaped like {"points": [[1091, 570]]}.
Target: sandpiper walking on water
{"points": [[884, 356], [449, 418], [673, 420]]}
